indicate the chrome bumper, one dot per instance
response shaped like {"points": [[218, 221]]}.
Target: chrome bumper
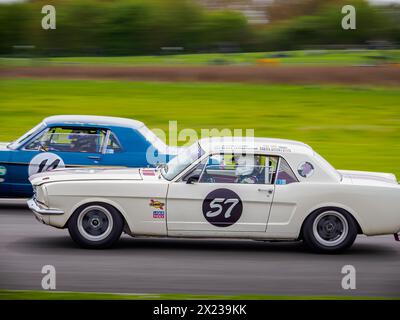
{"points": [[42, 210]]}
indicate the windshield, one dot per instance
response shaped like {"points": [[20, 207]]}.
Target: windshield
{"points": [[27, 136], [183, 160], [152, 138]]}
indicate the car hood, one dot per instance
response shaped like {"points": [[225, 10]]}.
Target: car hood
{"points": [[79, 174], [3, 146], [5, 153], [365, 177]]}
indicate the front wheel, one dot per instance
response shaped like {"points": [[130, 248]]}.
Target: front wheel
{"points": [[96, 226], [329, 230]]}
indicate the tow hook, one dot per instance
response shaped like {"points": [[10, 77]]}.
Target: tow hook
{"points": [[396, 237]]}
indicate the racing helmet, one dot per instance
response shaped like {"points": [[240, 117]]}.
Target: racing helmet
{"points": [[245, 164]]}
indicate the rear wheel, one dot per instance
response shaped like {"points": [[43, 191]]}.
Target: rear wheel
{"points": [[329, 230], [96, 225]]}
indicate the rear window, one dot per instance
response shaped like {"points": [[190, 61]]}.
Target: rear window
{"points": [[328, 165], [285, 173]]}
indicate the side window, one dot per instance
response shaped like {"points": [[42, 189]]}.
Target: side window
{"points": [[113, 145], [69, 140], [198, 170], [195, 172], [285, 174], [240, 168]]}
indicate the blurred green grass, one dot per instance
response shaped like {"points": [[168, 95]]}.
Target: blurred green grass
{"points": [[352, 127], [310, 57]]}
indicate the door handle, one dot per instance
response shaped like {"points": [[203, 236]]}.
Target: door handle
{"points": [[94, 157], [270, 191]]}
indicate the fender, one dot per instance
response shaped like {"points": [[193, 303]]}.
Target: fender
{"points": [[103, 200], [353, 213]]}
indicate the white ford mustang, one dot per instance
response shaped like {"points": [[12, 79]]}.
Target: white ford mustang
{"points": [[266, 189]]}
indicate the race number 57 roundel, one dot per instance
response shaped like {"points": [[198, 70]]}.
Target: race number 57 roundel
{"points": [[45, 162], [222, 207]]}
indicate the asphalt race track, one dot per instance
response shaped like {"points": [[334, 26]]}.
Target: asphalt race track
{"points": [[145, 265]]}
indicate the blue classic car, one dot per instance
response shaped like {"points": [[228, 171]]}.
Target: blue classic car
{"points": [[75, 141]]}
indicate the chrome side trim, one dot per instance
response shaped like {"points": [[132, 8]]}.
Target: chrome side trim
{"points": [[13, 201], [40, 209]]}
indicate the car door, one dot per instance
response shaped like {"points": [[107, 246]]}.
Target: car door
{"points": [[56, 147], [228, 198], [289, 193]]}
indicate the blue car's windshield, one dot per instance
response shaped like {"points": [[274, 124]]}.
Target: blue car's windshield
{"points": [[15, 144]]}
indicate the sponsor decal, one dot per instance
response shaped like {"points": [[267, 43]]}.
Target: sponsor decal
{"points": [[45, 162], [3, 171], [222, 207], [148, 172], [159, 212], [251, 147], [306, 169], [156, 204]]}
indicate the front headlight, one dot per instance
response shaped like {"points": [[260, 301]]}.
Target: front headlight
{"points": [[40, 194], [34, 191]]}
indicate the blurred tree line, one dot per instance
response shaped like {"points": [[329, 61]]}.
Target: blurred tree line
{"points": [[128, 27]]}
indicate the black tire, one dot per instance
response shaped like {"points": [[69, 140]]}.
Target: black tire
{"points": [[329, 230], [96, 226]]}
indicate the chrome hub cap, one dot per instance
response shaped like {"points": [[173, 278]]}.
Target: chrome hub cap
{"points": [[330, 228], [95, 223]]}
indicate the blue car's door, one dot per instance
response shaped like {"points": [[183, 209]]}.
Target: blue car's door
{"points": [[26, 163], [18, 173], [58, 147]]}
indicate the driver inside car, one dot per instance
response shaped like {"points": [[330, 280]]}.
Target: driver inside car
{"points": [[82, 142], [248, 169]]}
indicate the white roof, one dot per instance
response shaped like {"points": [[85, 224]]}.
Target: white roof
{"points": [[114, 121], [96, 120], [219, 144]]}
